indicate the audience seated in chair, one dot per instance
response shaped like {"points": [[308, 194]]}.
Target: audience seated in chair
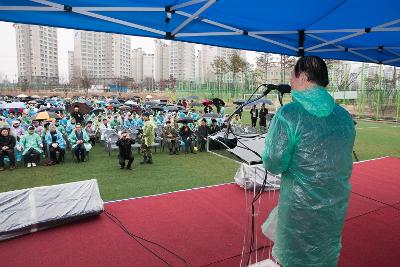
{"points": [[79, 140], [187, 135], [32, 147], [171, 137], [202, 133], [55, 143], [7, 144]]}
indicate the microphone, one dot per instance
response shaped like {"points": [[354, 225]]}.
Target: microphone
{"points": [[282, 88]]}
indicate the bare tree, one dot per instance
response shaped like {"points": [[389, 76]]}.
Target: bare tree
{"points": [[263, 62], [24, 85], [220, 67], [286, 63], [236, 64], [86, 82]]}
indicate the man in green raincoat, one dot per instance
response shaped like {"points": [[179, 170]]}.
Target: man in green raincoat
{"points": [[310, 142], [147, 139]]}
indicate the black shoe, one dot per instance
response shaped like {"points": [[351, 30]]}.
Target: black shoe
{"points": [[150, 161], [122, 167], [144, 160], [129, 168]]}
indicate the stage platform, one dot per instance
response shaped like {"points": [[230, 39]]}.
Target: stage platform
{"points": [[206, 227]]}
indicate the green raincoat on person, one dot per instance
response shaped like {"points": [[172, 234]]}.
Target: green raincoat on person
{"points": [[29, 141], [148, 133], [310, 141], [72, 139]]}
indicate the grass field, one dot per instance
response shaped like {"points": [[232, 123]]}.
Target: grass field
{"points": [[173, 172]]}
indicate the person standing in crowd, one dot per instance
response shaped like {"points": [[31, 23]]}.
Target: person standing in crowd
{"points": [[77, 115], [239, 111], [125, 150], [148, 136], [186, 134], [207, 109], [32, 147], [202, 133], [55, 143], [253, 116], [263, 116], [7, 144], [79, 143], [310, 142], [171, 137]]}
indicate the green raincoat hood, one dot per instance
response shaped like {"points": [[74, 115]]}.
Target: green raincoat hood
{"points": [[315, 100]]}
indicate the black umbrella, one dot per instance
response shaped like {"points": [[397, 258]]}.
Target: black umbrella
{"points": [[83, 107], [96, 111], [157, 108], [173, 108], [218, 102], [212, 115], [239, 101], [185, 119], [151, 103]]}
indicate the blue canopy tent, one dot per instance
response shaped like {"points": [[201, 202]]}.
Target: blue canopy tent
{"points": [[357, 30]]}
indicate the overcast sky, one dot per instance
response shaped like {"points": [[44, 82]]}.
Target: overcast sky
{"points": [[8, 53]]}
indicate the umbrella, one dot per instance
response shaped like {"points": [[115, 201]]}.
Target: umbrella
{"points": [[56, 109], [212, 115], [193, 97], [185, 119], [149, 97], [218, 102], [260, 101], [207, 102], [151, 103], [239, 101], [83, 107], [157, 108], [195, 104], [32, 102], [35, 96], [125, 108], [113, 101], [22, 96], [14, 105], [96, 111], [45, 115], [173, 108], [130, 102]]}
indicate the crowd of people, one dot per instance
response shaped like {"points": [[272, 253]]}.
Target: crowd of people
{"points": [[23, 137]]}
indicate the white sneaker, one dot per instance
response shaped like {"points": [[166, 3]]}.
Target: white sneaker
{"points": [[33, 164], [29, 165]]}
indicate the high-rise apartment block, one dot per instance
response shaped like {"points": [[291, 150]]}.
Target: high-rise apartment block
{"points": [[37, 54], [161, 60], [182, 61]]}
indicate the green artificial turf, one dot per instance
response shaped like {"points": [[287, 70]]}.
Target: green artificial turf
{"points": [[173, 172]]}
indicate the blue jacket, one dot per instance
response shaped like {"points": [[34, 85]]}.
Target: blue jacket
{"points": [[60, 140]]}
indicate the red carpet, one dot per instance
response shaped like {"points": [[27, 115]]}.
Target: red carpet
{"points": [[206, 228]]}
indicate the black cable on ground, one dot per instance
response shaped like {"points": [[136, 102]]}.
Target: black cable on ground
{"points": [[137, 238]]}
